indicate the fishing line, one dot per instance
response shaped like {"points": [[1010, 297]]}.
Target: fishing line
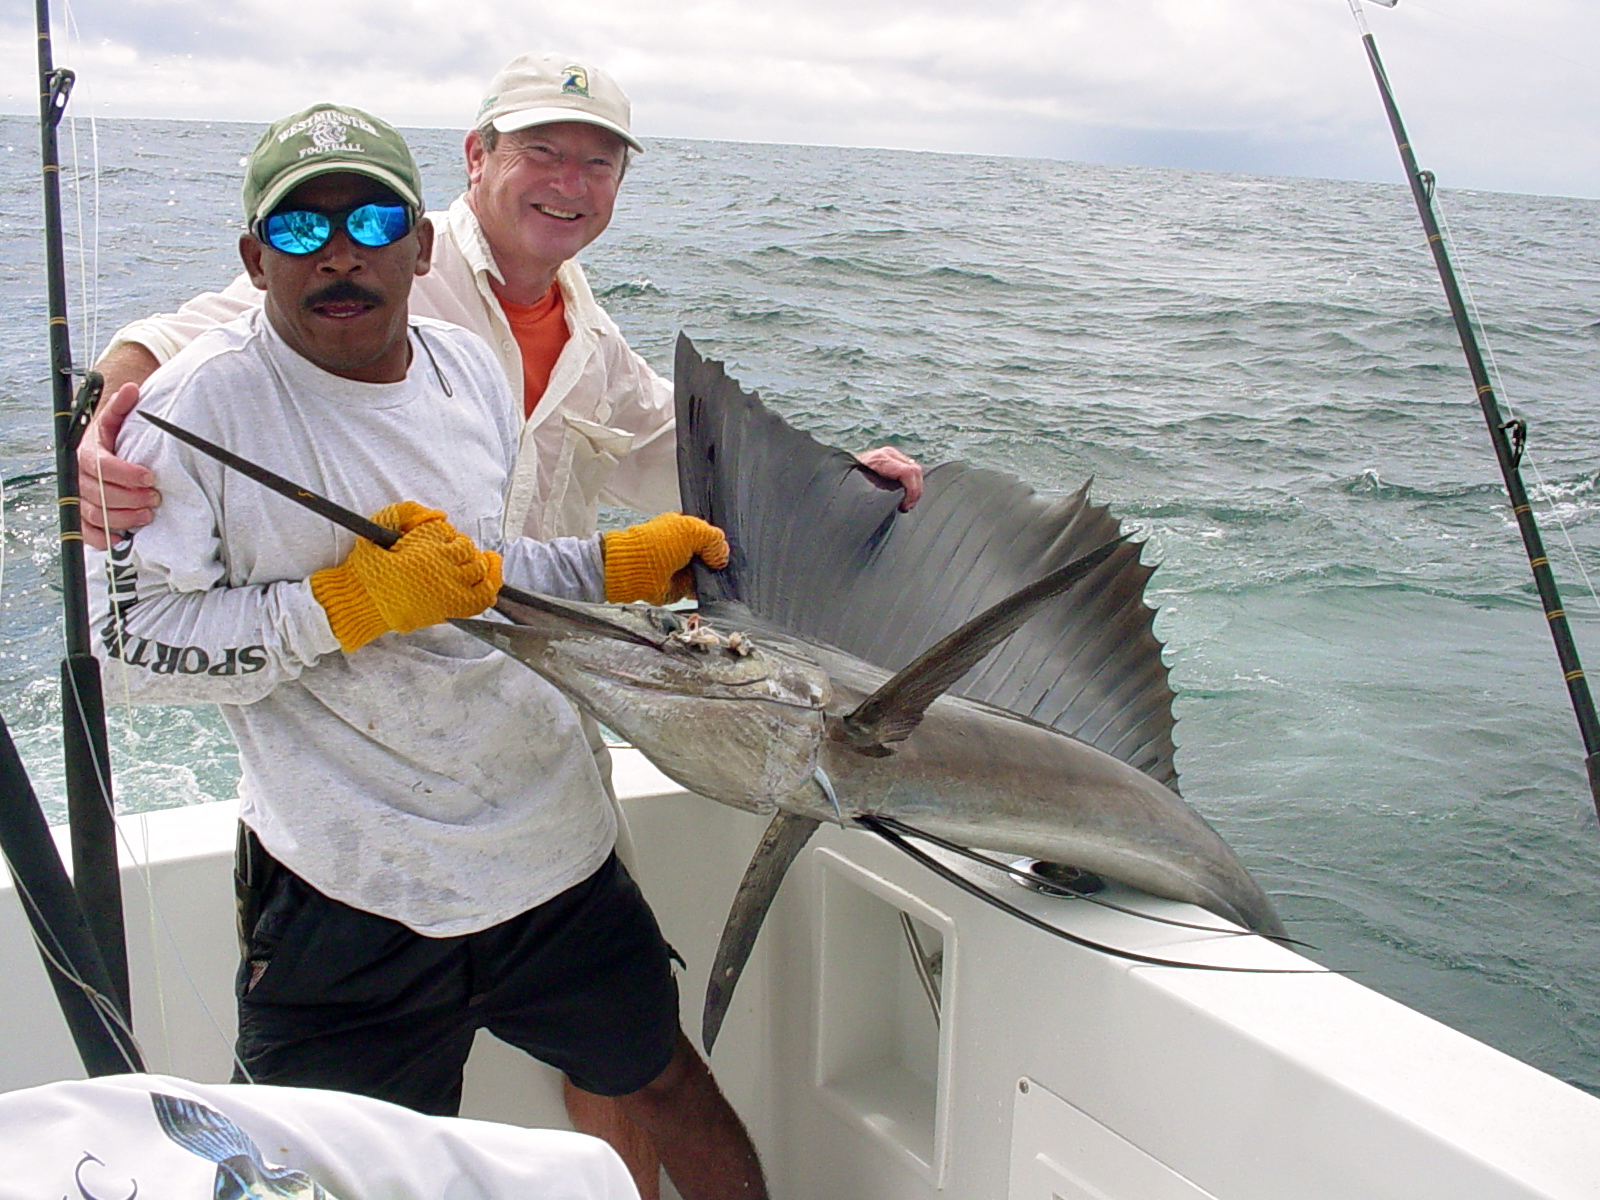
{"points": [[883, 829], [158, 916], [142, 872], [67, 947], [159, 924], [106, 1009], [1055, 887], [1507, 437], [5, 538], [1457, 254], [89, 306], [88, 251], [1551, 511], [96, 883], [923, 964]]}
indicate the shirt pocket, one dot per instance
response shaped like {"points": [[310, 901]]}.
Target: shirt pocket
{"points": [[589, 455]]}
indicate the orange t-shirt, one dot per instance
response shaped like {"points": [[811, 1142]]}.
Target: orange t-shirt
{"points": [[541, 330]]}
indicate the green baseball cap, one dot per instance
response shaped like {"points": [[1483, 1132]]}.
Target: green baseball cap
{"points": [[320, 140]]}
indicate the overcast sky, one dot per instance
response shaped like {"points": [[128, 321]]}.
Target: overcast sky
{"points": [[1498, 94]]}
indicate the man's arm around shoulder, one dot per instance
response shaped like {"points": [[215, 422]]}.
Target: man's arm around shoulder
{"points": [[119, 495]]}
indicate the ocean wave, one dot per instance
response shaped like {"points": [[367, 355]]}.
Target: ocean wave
{"points": [[1559, 502], [774, 315], [857, 267], [1220, 512], [1557, 490], [16, 486], [631, 289], [851, 355], [1370, 483], [1327, 580]]}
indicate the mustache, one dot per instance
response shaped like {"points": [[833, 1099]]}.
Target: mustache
{"points": [[343, 290]]}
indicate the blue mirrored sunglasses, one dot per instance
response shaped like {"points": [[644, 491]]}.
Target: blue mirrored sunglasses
{"points": [[304, 231]]}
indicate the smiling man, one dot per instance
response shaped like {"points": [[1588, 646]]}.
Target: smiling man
{"points": [[427, 847], [545, 160]]}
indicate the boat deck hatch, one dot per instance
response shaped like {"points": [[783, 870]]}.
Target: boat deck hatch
{"points": [[1059, 1152], [885, 1008]]}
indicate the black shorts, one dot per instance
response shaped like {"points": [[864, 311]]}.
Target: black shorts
{"points": [[334, 997]]}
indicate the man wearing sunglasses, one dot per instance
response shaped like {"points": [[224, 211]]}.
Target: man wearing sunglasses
{"points": [[414, 863], [544, 165]]}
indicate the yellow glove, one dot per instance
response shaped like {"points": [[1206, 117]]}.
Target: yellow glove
{"points": [[650, 562], [432, 573]]}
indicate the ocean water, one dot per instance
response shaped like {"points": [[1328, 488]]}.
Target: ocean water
{"points": [[1261, 377]]}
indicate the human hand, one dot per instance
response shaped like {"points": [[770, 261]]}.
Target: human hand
{"points": [[115, 495], [431, 574], [650, 561], [903, 469]]}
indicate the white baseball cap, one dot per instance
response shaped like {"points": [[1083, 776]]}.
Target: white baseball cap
{"points": [[540, 89]]}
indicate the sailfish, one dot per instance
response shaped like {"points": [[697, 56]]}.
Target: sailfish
{"points": [[982, 672], [982, 669]]}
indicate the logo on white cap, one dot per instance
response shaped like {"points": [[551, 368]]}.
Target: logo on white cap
{"points": [[575, 81]]}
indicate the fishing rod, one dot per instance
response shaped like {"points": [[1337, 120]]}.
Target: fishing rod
{"points": [[1509, 437], [90, 812], [71, 958]]}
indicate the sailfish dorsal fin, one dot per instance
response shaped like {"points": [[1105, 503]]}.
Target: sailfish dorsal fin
{"points": [[820, 552], [896, 708]]}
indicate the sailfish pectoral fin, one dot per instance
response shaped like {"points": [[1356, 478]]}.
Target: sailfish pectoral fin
{"points": [[895, 709], [785, 837]]}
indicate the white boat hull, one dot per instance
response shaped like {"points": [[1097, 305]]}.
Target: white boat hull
{"points": [[1055, 1072]]}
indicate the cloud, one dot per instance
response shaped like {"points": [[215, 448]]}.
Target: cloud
{"points": [[1495, 99]]}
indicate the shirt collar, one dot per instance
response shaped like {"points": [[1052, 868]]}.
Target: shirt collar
{"points": [[474, 247]]}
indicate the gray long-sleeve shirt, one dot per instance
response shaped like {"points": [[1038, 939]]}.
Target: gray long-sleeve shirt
{"points": [[425, 777]]}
